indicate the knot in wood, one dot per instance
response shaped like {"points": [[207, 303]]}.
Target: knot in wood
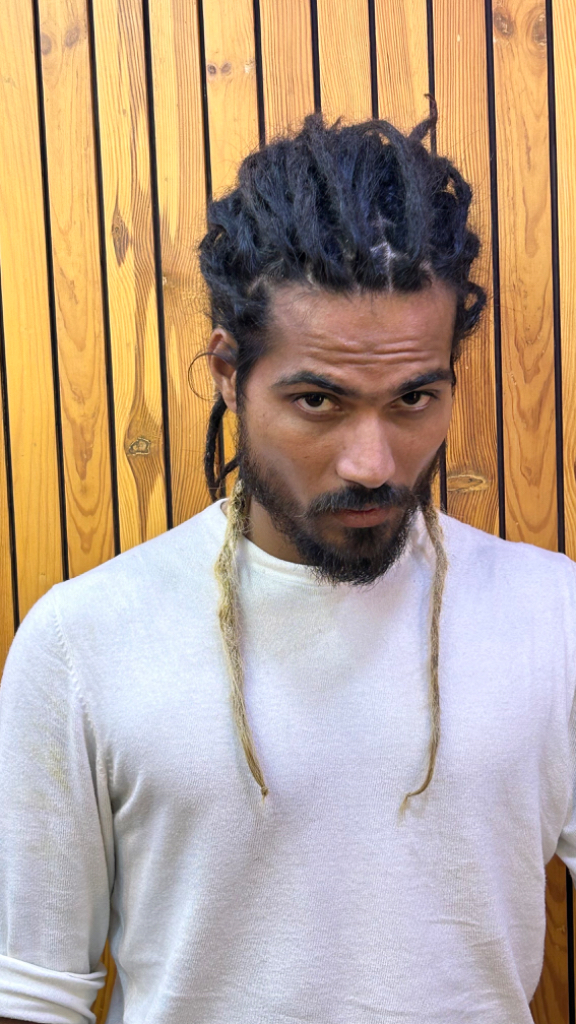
{"points": [[503, 23], [212, 69], [539, 29], [72, 36], [141, 446], [45, 44]]}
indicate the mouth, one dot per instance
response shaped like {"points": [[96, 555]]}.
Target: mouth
{"points": [[367, 517]]}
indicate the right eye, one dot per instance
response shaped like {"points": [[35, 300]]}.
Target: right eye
{"points": [[315, 401]]}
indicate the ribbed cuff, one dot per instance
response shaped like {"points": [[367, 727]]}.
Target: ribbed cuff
{"points": [[32, 993]]}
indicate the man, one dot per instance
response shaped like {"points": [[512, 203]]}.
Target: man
{"points": [[306, 756]]}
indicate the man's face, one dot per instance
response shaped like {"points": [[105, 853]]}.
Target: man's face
{"points": [[340, 424]]}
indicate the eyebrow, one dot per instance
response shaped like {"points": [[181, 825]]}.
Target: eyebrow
{"points": [[327, 384]]}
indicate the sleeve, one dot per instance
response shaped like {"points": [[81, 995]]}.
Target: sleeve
{"points": [[56, 842], [566, 848]]}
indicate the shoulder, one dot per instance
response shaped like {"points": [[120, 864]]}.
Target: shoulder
{"points": [[509, 567], [179, 561]]}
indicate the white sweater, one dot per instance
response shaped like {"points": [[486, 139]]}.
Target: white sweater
{"points": [[127, 808]]}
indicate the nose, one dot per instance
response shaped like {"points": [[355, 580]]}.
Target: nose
{"points": [[366, 457]]}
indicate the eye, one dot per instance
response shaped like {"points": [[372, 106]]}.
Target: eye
{"points": [[315, 401], [417, 399]]}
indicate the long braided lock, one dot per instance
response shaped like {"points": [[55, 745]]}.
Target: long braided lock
{"points": [[343, 208]]}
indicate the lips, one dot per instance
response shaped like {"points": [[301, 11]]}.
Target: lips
{"points": [[367, 517]]}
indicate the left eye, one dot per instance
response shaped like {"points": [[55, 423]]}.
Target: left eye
{"points": [[413, 398]]}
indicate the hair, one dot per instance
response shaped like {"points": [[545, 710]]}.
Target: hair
{"points": [[356, 208]]}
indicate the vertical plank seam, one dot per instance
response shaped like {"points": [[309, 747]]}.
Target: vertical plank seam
{"points": [[557, 327], [570, 937], [157, 239], [494, 215], [259, 73], [556, 305], [314, 38], [433, 150], [373, 58], [51, 293], [8, 464], [104, 277], [208, 179]]}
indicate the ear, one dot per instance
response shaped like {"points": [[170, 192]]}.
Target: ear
{"points": [[222, 362]]}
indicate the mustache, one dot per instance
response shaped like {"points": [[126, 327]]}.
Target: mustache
{"points": [[358, 499]]}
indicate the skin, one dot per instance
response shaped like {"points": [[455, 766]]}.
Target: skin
{"points": [[386, 427]]}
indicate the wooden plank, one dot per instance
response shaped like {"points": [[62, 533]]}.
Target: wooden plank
{"points": [[26, 314], [462, 135], [402, 53], [101, 1004], [549, 996], [344, 46], [565, 75], [6, 589], [550, 1002], [123, 115], [232, 106], [286, 64], [231, 87], [520, 67], [75, 249], [182, 197]]}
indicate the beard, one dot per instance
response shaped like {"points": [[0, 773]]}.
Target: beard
{"points": [[363, 554]]}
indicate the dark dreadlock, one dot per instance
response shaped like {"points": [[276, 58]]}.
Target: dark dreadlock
{"points": [[344, 208]]}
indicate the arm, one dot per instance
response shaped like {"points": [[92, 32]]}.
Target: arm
{"points": [[56, 846]]}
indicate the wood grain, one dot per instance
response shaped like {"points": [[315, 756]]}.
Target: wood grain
{"points": [[402, 53], [77, 283], [520, 67], [550, 1002], [26, 315], [231, 87], [344, 47], [6, 593], [232, 106], [565, 93], [123, 115], [462, 135], [182, 197], [286, 64]]}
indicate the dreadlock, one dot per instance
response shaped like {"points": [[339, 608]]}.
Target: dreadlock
{"points": [[346, 208]]}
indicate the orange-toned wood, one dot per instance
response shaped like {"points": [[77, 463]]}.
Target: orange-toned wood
{"points": [[520, 59], [550, 1002], [6, 595], [101, 1004], [77, 285], [526, 277], [123, 114], [286, 63], [231, 87], [344, 46], [26, 314], [402, 49], [565, 92], [462, 135], [232, 105], [182, 197]]}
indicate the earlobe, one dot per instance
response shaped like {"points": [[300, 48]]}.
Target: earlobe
{"points": [[222, 361]]}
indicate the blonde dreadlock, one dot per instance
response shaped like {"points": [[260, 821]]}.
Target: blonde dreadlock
{"points": [[229, 617]]}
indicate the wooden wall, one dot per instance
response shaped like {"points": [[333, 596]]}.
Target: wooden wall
{"points": [[119, 117]]}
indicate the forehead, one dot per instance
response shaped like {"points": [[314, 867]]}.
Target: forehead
{"points": [[381, 337]]}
